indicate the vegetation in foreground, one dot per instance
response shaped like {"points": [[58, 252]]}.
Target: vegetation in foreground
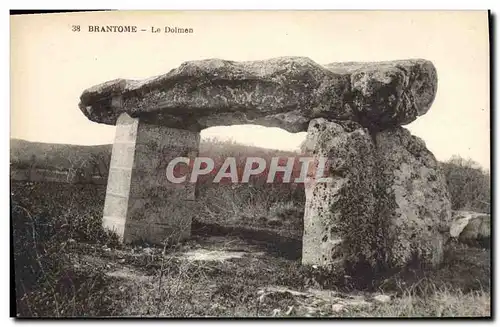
{"points": [[66, 265]]}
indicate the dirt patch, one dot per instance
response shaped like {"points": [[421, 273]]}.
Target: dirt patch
{"points": [[213, 255], [130, 274]]}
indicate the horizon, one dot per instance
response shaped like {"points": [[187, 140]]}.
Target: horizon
{"points": [[53, 66], [229, 139]]}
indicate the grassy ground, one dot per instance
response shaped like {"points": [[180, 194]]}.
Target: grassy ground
{"points": [[67, 266], [230, 277]]}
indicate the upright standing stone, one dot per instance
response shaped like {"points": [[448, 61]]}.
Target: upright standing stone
{"points": [[386, 206], [120, 175], [141, 203], [417, 205], [339, 221]]}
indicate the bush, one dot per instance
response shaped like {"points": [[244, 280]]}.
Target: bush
{"points": [[47, 220], [468, 185]]}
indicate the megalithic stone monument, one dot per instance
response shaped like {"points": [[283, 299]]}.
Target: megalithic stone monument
{"points": [[386, 202]]}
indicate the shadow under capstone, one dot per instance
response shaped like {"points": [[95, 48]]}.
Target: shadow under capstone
{"points": [[274, 243]]}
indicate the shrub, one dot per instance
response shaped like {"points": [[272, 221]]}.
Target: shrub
{"points": [[468, 185]]}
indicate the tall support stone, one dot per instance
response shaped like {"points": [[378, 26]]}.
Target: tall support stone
{"points": [[386, 205], [141, 203], [120, 175], [339, 221], [418, 210]]}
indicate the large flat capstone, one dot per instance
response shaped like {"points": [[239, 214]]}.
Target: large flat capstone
{"points": [[286, 92]]}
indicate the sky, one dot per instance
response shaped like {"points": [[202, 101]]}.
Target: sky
{"points": [[51, 65]]}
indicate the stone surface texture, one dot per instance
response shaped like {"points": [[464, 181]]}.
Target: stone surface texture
{"points": [[141, 204], [417, 201], [387, 203], [340, 213], [119, 177], [285, 92]]}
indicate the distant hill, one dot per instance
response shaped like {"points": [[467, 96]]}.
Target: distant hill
{"points": [[52, 156], [62, 157]]}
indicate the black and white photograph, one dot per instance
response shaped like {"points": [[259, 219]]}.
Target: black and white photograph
{"points": [[279, 164]]}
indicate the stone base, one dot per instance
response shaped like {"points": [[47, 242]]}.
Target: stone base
{"points": [[141, 204]]}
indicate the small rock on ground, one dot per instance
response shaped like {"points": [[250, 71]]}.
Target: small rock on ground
{"points": [[337, 307], [382, 298]]}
